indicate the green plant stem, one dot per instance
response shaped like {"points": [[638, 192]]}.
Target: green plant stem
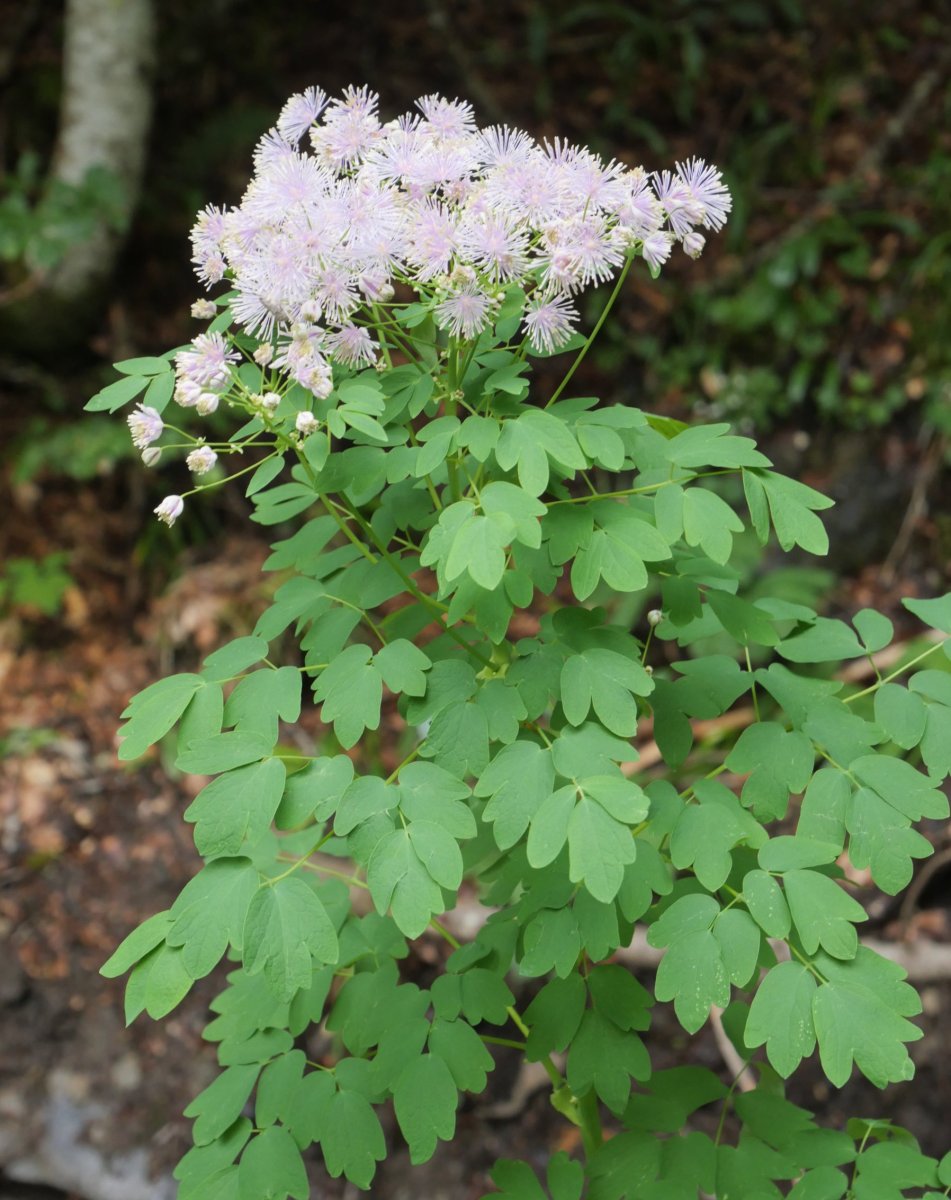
{"points": [[640, 491], [298, 862], [491, 1040], [749, 667], [873, 687], [452, 385], [579, 358], [592, 1136], [412, 588]]}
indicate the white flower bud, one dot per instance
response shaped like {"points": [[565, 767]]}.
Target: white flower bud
{"points": [[654, 617], [694, 243], [207, 404], [170, 509], [269, 402], [204, 310], [201, 460], [263, 354], [305, 423], [310, 311], [151, 456]]}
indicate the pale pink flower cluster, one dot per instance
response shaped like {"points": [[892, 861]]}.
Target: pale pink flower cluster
{"points": [[342, 207]]}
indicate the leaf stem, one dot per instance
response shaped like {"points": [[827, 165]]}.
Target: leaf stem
{"points": [[579, 358], [873, 687]]}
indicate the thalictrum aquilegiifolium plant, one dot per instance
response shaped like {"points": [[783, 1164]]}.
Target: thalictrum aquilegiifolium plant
{"points": [[385, 291]]}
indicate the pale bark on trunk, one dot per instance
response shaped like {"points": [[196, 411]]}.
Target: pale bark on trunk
{"points": [[104, 121], [105, 112]]}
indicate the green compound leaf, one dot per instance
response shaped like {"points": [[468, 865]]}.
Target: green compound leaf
{"points": [[517, 781], [608, 681], [277, 1086], [600, 843], [905, 789], [621, 543], [789, 853], [901, 713], [351, 692], [210, 913], [781, 1017], [400, 875], [881, 839], [315, 792], [425, 1102], [158, 984], [530, 441], [554, 1015], [428, 793], [692, 973], [709, 523], [153, 712], [936, 613], [262, 699], [231, 659], [824, 641], [220, 1104], [478, 993], [202, 1162], [479, 546], [791, 506], [237, 807], [704, 835], [224, 752], [778, 763], [767, 905], [463, 1052], [351, 1138], [606, 1058], [860, 1014], [823, 913], [115, 395], [402, 666], [515, 1181], [287, 927], [136, 945], [272, 1169]]}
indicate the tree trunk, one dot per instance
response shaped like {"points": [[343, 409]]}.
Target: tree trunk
{"points": [[105, 112]]}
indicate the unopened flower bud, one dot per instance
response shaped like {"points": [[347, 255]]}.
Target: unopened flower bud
{"points": [[207, 404], [204, 310], [310, 311], [694, 243], [170, 509], [305, 423], [151, 456], [648, 670], [654, 617], [201, 460], [263, 354], [269, 402]]}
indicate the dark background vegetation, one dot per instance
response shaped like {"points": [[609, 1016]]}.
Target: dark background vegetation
{"points": [[818, 322]]}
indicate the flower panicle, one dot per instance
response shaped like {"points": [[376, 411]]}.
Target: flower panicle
{"points": [[345, 210]]}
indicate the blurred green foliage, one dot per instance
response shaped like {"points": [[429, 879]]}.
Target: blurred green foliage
{"points": [[831, 302], [34, 584], [40, 219]]}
